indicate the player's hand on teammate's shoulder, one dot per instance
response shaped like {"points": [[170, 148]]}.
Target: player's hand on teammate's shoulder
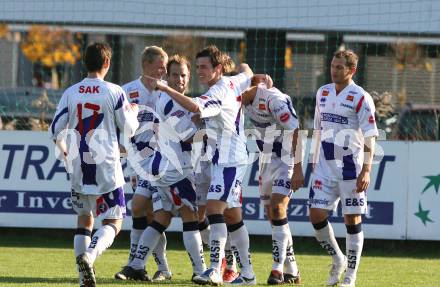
{"points": [[363, 181], [262, 79], [134, 107]]}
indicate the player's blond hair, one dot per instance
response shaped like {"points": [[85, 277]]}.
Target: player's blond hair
{"points": [[151, 53], [179, 60], [351, 59]]}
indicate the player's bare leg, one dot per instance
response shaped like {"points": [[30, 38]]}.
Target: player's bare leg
{"points": [[326, 238]]}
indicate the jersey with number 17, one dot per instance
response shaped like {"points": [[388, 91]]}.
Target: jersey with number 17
{"points": [[94, 113]]}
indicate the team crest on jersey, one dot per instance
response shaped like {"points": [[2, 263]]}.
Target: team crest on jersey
{"points": [[231, 85], [134, 94], [261, 107], [317, 184], [325, 93], [285, 117], [350, 98], [371, 120], [204, 97]]}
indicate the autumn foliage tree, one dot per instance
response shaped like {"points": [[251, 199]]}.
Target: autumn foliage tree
{"points": [[51, 47]]}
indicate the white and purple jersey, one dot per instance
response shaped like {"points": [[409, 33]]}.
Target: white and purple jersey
{"points": [[271, 112], [139, 94], [172, 158], [344, 119], [221, 107], [94, 112]]}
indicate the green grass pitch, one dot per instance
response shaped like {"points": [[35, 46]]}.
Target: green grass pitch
{"points": [[45, 258]]}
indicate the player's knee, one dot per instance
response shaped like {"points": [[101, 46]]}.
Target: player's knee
{"points": [[188, 215], [233, 215], [162, 217], [138, 207], [318, 215], [352, 219], [278, 211]]}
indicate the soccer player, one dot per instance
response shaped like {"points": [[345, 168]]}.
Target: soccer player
{"points": [[154, 61], [171, 164], [221, 108], [346, 132], [86, 129], [275, 120], [202, 181]]}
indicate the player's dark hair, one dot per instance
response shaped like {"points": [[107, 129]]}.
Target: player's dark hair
{"points": [[96, 55], [178, 60], [217, 57], [351, 59]]}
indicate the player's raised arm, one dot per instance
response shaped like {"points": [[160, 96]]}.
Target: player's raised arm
{"points": [[186, 102]]}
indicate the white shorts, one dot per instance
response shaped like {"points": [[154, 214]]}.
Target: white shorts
{"points": [[174, 197], [202, 182], [275, 176], [144, 188], [105, 206], [325, 194], [226, 184]]}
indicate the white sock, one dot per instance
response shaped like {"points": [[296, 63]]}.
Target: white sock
{"points": [[194, 246], [217, 239], [229, 256], [280, 239], [327, 240], [205, 232], [135, 235], [354, 244], [101, 240], [160, 255], [146, 245], [240, 246], [290, 266], [80, 244]]}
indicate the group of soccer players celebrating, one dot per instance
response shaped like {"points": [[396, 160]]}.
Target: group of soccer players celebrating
{"points": [[188, 157]]}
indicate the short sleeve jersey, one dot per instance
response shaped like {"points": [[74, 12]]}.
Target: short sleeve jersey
{"points": [[94, 112], [344, 119], [221, 107]]}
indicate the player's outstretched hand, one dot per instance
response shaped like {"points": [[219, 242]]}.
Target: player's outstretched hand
{"points": [[297, 180], [155, 83], [134, 107], [363, 181]]}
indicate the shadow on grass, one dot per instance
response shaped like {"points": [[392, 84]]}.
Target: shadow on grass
{"points": [[74, 281], [24, 280], [62, 238]]}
